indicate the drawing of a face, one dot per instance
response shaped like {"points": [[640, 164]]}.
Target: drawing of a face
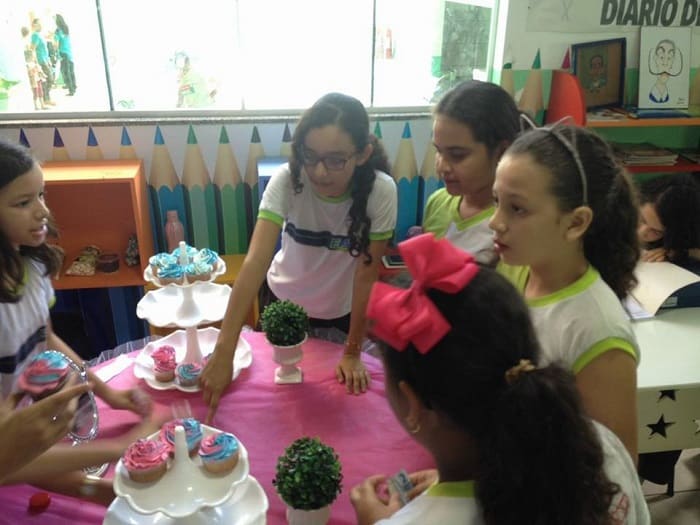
{"points": [[665, 54], [597, 66]]}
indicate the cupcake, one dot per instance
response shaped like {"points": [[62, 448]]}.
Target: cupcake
{"points": [[219, 452], [188, 374], [198, 271], [191, 251], [161, 260], [146, 460], [193, 434], [171, 274], [164, 363], [45, 374], [207, 256]]}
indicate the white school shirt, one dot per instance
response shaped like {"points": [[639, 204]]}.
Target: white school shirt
{"points": [[313, 267], [23, 324]]}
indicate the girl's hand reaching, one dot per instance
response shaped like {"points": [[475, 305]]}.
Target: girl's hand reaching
{"points": [[214, 379], [351, 371], [135, 400]]}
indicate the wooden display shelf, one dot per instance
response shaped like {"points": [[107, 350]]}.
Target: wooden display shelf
{"points": [[100, 203], [643, 122]]}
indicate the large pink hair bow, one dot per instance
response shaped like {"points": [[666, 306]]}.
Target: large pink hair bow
{"points": [[408, 315]]}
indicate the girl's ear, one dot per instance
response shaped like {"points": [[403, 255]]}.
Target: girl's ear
{"points": [[579, 222], [414, 406], [365, 154]]}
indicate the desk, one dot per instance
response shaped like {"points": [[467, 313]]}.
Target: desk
{"points": [[668, 380], [267, 418]]}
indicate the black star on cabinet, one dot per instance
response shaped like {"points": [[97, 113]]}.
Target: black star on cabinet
{"points": [[671, 394], [660, 426]]}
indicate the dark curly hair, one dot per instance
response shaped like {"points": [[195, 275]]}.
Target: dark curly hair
{"points": [[16, 160], [348, 114], [676, 199], [530, 435], [610, 244]]}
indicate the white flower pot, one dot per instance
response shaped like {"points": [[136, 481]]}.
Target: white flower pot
{"points": [[308, 517], [287, 357]]}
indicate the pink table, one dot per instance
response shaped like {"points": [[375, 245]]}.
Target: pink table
{"points": [[266, 418]]}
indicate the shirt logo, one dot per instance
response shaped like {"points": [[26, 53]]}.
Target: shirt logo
{"points": [[324, 239]]}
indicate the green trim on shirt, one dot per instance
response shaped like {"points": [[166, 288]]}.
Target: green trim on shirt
{"points": [[271, 216], [516, 275], [452, 489], [578, 286], [52, 301], [463, 224], [598, 349], [381, 236]]}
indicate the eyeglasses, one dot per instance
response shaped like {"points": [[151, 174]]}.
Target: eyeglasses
{"points": [[331, 162]]}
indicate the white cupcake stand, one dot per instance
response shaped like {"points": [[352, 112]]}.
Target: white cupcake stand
{"points": [[187, 494]]}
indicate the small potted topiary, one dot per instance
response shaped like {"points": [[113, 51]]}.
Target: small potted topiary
{"points": [[308, 479], [285, 325]]}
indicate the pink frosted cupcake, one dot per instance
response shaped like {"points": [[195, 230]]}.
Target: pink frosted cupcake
{"points": [[188, 374], [164, 363], [45, 374], [146, 460], [219, 452], [193, 434]]}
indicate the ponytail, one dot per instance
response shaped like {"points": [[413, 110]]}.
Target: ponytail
{"points": [[526, 451]]}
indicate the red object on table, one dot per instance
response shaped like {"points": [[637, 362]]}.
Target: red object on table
{"points": [[267, 417], [39, 502]]}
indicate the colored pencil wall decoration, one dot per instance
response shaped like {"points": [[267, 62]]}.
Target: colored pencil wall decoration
{"points": [[255, 151], [531, 99], [92, 151], [199, 197], [59, 150], [126, 149], [229, 193], [566, 63], [165, 189], [286, 147], [507, 82], [405, 173], [428, 177], [378, 133], [23, 139]]}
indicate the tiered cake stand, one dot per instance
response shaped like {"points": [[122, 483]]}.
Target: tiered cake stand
{"points": [[187, 494]]}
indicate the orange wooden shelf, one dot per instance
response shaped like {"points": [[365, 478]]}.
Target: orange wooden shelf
{"points": [[102, 203]]}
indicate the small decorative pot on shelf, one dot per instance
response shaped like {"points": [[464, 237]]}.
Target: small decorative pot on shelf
{"points": [[286, 325], [308, 517]]}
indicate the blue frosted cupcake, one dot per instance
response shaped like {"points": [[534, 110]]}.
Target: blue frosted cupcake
{"points": [[188, 374], [207, 256], [173, 273]]}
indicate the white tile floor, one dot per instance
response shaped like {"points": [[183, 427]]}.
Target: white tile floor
{"points": [[684, 507]]}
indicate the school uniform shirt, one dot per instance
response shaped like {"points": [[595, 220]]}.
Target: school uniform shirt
{"points": [[23, 324], [313, 267], [441, 217], [455, 503], [580, 322], [449, 503]]}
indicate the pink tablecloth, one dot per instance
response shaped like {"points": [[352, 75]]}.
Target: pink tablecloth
{"points": [[266, 418]]}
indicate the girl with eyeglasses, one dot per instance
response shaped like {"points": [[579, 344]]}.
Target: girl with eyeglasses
{"points": [[567, 213], [335, 206], [511, 441], [474, 123]]}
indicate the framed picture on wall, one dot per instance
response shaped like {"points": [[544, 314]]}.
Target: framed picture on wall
{"points": [[600, 67], [664, 67]]}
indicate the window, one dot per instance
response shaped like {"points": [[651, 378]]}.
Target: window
{"points": [[137, 56]]}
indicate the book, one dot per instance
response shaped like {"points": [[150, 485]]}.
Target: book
{"points": [[633, 154], [691, 154], [661, 285]]}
